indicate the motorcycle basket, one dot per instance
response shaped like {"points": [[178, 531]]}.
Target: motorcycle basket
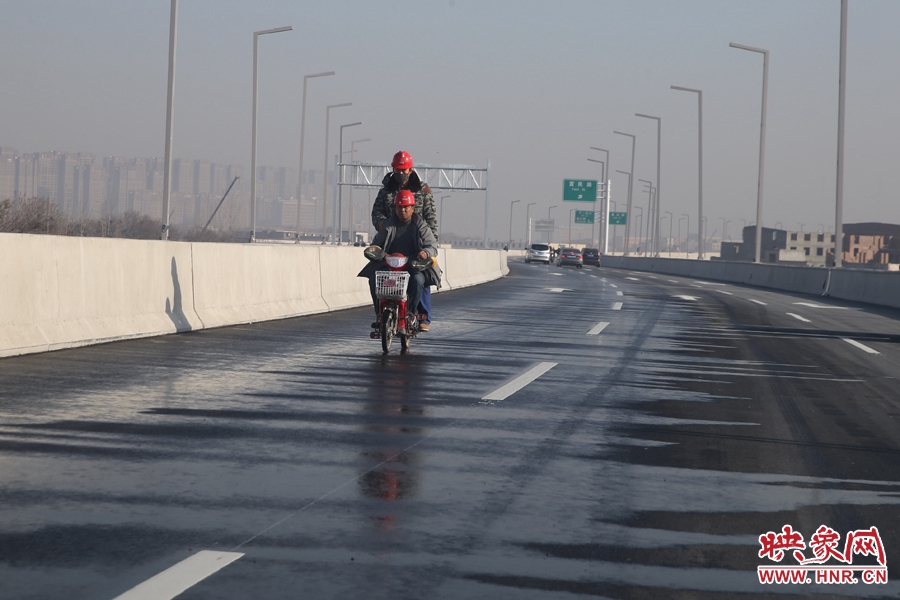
{"points": [[391, 284]]}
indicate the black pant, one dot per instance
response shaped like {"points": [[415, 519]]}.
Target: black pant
{"points": [[413, 292]]}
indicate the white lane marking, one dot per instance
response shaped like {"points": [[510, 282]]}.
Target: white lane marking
{"points": [[612, 285], [672, 281], [603, 279], [557, 274], [633, 278], [694, 298], [710, 283], [799, 318], [814, 305], [757, 301], [617, 306], [724, 292], [597, 328], [507, 390], [619, 293], [861, 346], [594, 276], [178, 578], [652, 276], [557, 290]]}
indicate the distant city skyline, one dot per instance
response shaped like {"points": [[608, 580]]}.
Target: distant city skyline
{"points": [[530, 87]]}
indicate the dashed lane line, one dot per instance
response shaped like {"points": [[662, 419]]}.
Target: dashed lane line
{"points": [[799, 318], [760, 302], [596, 329], [861, 346], [507, 390], [180, 577], [617, 306]]}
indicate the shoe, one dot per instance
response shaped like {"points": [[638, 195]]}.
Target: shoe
{"points": [[424, 327], [376, 325]]}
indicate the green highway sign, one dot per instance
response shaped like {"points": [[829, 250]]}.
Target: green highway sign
{"points": [[617, 218], [579, 190], [584, 216]]}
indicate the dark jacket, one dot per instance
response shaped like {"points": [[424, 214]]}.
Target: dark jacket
{"points": [[425, 240], [383, 208]]}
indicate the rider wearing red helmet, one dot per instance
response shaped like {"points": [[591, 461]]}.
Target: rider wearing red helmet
{"points": [[404, 233], [403, 177]]}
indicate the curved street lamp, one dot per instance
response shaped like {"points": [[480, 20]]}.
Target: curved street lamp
{"points": [[510, 221], [306, 78], [256, 35]]}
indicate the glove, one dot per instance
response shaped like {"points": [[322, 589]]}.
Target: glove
{"points": [[420, 264], [374, 253]]}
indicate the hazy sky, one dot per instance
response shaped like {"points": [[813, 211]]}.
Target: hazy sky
{"points": [[529, 85]]}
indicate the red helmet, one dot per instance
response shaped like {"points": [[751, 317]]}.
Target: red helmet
{"points": [[405, 198], [402, 160]]}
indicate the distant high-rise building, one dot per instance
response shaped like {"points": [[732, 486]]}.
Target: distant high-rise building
{"points": [[7, 174], [66, 192]]}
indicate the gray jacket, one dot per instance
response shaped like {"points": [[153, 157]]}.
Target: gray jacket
{"points": [[425, 240]]}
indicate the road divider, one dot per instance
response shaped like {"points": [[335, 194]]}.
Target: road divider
{"points": [[881, 288]]}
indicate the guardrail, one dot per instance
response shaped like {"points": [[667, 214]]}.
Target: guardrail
{"points": [[881, 288], [62, 292]]}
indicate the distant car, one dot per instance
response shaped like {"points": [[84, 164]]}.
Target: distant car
{"points": [[590, 256], [538, 253], [569, 256]]}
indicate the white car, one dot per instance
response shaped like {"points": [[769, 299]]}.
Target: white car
{"points": [[538, 253]]}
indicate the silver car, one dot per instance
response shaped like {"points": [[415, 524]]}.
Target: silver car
{"points": [[538, 253]]}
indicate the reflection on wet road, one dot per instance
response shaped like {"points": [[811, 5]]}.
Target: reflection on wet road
{"points": [[558, 433]]}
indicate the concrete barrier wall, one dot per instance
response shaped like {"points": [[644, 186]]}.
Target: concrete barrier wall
{"points": [[61, 292], [873, 287]]}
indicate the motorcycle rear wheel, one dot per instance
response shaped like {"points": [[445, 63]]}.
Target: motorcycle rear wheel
{"points": [[387, 329]]}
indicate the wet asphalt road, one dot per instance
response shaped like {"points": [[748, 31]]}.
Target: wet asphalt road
{"points": [[644, 464]]}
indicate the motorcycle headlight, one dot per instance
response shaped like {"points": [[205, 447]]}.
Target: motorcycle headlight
{"points": [[396, 261]]}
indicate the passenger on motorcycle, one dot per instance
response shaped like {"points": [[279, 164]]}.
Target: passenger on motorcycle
{"points": [[408, 234]]}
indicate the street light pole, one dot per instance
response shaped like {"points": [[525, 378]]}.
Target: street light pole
{"points": [[627, 215], [650, 209], [571, 211], [256, 35], [325, 184], [441, 221], [699, 156], [839, 192], [339, 176], [641, 225], [550, 235], [669, 241], [762, 143], [528, 222], [353, 161], [603, 173], [687, 235], [628, 206], [510, 221], [604, 226], [306, 78], [170, 95], [650, 212]]}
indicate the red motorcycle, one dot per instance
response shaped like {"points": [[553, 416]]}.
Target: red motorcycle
{"points": [[390, 289]]}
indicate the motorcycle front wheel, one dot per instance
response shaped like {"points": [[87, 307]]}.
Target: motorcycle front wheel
{"points": [[387, 329]]}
